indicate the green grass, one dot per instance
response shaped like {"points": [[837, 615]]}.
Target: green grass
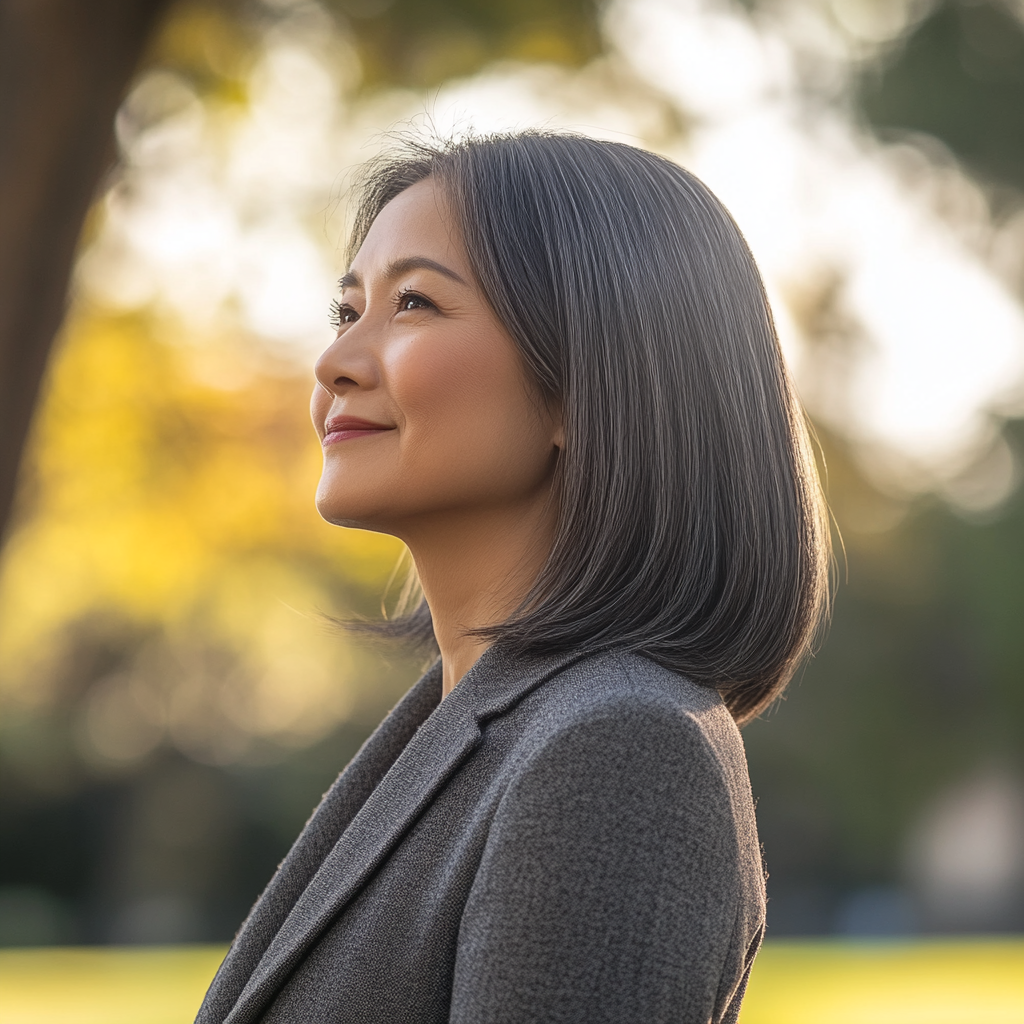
{"points": [[97, 985], [931, 982], [940, 982]]}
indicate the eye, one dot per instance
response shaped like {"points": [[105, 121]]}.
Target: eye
{"points": [[412, 300], [342, 313]]}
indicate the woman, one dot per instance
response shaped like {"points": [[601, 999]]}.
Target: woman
{"points": [[556, 378]]}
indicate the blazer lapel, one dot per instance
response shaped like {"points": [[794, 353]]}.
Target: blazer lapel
{"points": [[335, 812], [453, 730]]}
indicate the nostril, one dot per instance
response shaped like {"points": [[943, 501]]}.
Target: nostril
{"points": [[342, 381]]}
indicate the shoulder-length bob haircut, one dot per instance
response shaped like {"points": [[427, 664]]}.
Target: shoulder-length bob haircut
{"points": [[691, 526]]}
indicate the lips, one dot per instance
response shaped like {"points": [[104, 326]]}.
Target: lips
{"points": [[349, 428]]}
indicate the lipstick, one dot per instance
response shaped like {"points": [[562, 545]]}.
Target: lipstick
{"points": [[349, 428]]}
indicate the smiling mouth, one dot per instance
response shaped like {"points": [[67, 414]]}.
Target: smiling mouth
{"points": [[349, 428]]}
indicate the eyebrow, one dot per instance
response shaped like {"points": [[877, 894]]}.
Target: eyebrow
{"points": [[398, 267]]}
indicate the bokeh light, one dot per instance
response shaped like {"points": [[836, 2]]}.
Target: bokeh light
{"points": [[172, 687]]}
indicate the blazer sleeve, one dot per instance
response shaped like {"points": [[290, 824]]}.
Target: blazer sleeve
{"points": [[609, 887]]}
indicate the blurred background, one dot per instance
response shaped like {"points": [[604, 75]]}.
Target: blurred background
{"points": [[173, 181]]}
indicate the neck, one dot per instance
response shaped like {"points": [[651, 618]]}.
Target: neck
{"points": [[475, 570]]}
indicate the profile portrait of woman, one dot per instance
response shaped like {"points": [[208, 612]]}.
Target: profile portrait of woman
{"points": [[556, 379]]}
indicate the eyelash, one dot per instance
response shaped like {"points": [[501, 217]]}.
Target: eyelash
{"points": [[338, 310], [341, 309], [407, 293]]}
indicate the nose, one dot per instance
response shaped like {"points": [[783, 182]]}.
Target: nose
{"points": [[347, 363]]}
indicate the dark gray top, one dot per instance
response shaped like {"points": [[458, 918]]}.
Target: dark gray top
{"points": [[568, 839]]}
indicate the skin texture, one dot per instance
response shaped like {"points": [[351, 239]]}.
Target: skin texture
{"points": [[462, 470]]}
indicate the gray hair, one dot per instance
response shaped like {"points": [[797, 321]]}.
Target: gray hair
{"points": [[691, 526]]}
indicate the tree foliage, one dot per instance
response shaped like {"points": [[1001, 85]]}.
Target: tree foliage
{"points": [[172, 709], [959, 78]]}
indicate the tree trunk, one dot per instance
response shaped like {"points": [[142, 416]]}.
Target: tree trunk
{"points": [[64, 67]]}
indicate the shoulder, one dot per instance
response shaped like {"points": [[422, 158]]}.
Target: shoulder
{"points": [[613, 750], [616, 675], [634, 697], [620, 721]]}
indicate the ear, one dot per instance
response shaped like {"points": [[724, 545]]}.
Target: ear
{"points": [[557, 425], [554, 412]]}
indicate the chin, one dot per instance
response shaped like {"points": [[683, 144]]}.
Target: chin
{"points": [[342, 513], [344, 507]]}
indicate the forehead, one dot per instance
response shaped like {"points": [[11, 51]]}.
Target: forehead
{"points": [[417, 222]]}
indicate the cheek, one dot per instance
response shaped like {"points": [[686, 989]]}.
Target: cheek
{"points": [[466, 410]]}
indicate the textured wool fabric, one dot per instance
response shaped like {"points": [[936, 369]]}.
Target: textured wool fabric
{"points": [[568, 839]]}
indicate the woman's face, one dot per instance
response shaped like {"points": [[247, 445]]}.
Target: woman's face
{"points": [[422, 403]]}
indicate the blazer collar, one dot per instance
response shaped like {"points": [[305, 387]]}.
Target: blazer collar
{"points": [[447, 737]]}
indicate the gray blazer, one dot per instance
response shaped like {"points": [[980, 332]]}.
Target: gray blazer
{"points": [[562, 839]]}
